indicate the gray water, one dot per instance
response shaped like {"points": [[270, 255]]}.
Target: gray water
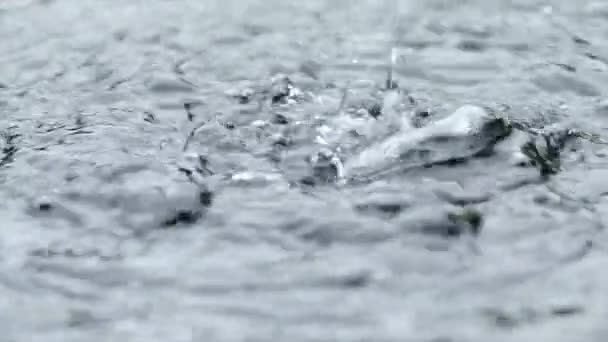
{"points": [[103, 238]]}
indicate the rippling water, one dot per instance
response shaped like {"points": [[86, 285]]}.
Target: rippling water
{"points": [[103, 238]]}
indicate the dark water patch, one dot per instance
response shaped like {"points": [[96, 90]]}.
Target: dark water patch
{"points": [[255, 30], [511, 319], [566, 67], [564, 311], [441, 222], [169, 85], [181, 216], [150, 117], [190, 216], [280, 119], [383, 205], [120, 35], [311, 68], [471, 46], [70, 253], [9, 146], [46, 208]]}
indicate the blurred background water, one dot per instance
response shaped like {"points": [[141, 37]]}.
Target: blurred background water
{"points": [[102, 238]]}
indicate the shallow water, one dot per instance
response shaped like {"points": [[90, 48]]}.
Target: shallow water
{"points": [[103, 239]]}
